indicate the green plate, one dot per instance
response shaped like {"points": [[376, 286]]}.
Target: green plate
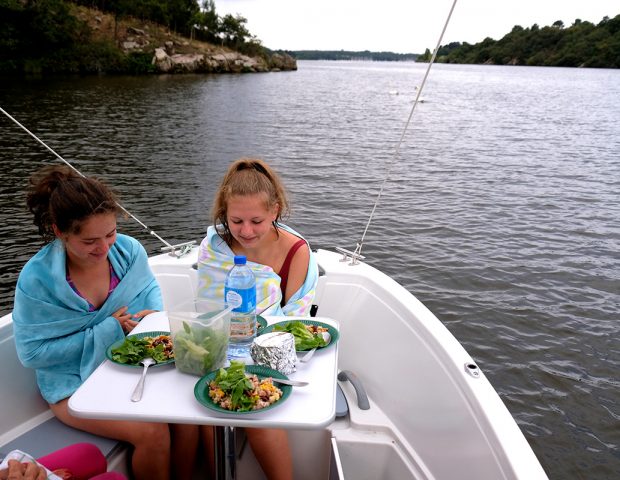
{"points": [[108, 352], [201, 389], [261, 323], [331, 330]]}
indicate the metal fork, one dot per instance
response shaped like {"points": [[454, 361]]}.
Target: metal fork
{"points": [[137, 393]]}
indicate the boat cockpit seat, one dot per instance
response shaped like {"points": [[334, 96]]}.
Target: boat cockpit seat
{"points": [[27, 423], [52, 435]]}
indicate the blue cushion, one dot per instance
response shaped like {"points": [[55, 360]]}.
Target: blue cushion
{"points": [[342, 407], [52, 435]]}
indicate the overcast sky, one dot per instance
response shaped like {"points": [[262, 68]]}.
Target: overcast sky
{"points": [[403, 26]]}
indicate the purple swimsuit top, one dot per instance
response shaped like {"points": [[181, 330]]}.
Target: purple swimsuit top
{"points": [[114, 281]]}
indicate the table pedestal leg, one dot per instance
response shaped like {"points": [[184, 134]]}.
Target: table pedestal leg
{"points": [[224, 444]]}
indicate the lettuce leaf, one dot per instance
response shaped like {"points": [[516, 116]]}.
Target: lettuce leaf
{"points": [[199, 350], [304, 339], [234, 382], [135, 349]]}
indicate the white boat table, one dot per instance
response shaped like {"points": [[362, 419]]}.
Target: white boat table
{"points": [[169, 396]]}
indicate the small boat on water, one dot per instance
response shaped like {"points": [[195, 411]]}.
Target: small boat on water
{"points": [[417, 405]]}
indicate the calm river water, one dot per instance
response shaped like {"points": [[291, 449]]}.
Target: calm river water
{"points": [[501, 213]]}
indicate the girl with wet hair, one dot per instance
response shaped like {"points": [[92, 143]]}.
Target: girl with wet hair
{"points": [[61, 198], [249, 177], [80, 293], [248, 210]]}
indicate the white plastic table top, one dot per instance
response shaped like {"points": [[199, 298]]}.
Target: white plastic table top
{"points": [[169, 394]]}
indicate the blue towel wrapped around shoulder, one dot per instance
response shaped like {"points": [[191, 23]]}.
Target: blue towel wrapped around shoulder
{"points": [[56, 334]]}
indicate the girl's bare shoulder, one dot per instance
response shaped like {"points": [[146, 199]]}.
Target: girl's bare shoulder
{"points": [[289, 238]]}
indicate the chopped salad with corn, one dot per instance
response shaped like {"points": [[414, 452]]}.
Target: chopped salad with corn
{"points": [[234, 390]]}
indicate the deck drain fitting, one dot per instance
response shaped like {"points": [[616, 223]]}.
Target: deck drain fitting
{"points": [[472, 369]]}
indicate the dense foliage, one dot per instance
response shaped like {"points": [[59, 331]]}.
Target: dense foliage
{"points": [[347, 55], [186, 17], [583, 44], [46, 36]]}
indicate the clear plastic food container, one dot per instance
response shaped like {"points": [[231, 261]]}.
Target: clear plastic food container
{"points": [[200, 330]]}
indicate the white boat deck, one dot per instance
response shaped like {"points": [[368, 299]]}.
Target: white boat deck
{"points": [[429, 417]]}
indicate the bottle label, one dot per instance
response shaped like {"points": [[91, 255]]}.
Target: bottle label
{"points": [[241, 299]]}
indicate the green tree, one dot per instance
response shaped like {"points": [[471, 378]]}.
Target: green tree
{"points": [[234, 30], [425, 57], [32, 31], [181, 13], [581, 44], [120, 8], [208, 22]]}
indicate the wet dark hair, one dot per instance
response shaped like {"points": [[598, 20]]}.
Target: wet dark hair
{"points": [[248, 176], [57, 195]]}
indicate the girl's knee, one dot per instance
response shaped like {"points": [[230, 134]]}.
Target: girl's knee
{"points": [[152, 434]]}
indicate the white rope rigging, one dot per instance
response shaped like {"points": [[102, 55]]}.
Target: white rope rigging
{"points": [[358, 249], [168, 246]]}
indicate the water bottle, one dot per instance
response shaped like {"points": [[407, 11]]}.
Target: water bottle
{"points": [[240, 293]]}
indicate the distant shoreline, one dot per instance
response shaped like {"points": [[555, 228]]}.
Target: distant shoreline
{"points": [[582, 44], [352, 55]]}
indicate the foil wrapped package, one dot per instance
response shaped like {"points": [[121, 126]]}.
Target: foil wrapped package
{"points": [[275, 350]]}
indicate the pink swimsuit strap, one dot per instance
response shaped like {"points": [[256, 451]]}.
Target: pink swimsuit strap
{"points": [[114, 281]]}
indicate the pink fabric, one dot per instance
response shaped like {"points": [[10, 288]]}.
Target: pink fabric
{"points": [[84, 460], [109, 476], [114, 281]]}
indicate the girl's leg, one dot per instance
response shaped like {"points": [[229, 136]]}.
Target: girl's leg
{"points": [[206, 435], [272, 451], [151, 441], [184, 443], [83, 460]]}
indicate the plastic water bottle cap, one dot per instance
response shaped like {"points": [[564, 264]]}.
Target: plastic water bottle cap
{"points": [[240, 259]]}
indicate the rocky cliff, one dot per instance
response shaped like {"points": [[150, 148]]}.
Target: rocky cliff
{"points": [[173, 53]]}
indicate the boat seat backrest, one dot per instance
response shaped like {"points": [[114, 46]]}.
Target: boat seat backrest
{"points": [[177, 287], [181, 284], [19, 396]]}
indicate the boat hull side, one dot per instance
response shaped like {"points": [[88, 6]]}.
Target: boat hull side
{"points": [[414, 370]]}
